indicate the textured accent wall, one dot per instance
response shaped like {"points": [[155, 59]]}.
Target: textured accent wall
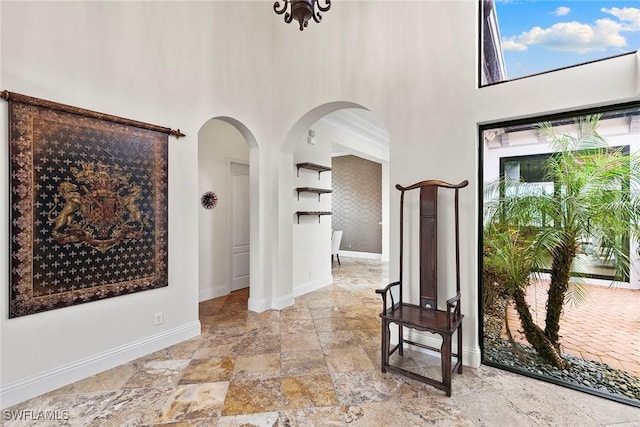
{"points": [[357, 203]]}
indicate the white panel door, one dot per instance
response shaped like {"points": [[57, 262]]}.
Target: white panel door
{"points": [[239, 226]]}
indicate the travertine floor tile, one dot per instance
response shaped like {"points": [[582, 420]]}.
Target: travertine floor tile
{"points": [[298, 326], [300, 342], [194, 401], [338, 340], [157, 373], [297, 363], [265, 419], [111, 380], [353, 388], [257, 367], [308, 391], [256, 342], [131, 407], [208, 370], [250, 397], [347, 360], [332, 416]]}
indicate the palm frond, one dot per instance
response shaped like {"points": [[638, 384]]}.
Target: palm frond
{"points": [[577, 293]]}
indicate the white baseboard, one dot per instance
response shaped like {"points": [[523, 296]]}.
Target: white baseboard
{"points": [[312, 285], [20, 391], [258, 305], [365, 255], [215, 292], [283, 302]]}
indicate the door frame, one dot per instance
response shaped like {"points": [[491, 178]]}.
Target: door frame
{"points": [[230, 161]]}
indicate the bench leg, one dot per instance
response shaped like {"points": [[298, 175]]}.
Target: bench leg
{"points": [[460, 348], [384, 353], [445, 359], [400, 340]]}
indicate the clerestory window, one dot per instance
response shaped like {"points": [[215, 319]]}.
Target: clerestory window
{"points": [[520, 38]]}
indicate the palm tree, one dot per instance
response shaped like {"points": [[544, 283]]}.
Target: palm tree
{"points": [[593, 197], [511, 254]]}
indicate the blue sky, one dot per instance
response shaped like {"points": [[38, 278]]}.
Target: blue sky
{"points": [[542, 35]]}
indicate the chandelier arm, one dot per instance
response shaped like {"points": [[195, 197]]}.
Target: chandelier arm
{"points": [[276, 6], [323, 8], [301, 10]]}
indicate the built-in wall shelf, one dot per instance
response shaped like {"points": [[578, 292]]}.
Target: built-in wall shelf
{"points": [[313, 167], [318, 191], [319, 213]]}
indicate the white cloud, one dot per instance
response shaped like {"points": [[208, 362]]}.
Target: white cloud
{"points": [[627, 15], [512, 44], [573, 36], [562, 11]]}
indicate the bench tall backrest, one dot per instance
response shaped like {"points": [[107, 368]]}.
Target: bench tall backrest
{"points": [[429, 246]]}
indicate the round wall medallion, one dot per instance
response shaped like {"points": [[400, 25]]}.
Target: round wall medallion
{"points": [[209, 200]]}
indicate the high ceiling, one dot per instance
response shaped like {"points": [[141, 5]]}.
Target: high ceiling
{"points": [[360, 123]]}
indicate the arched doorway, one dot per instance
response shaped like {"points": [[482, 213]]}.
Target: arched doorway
{"points": [[227, 235]]}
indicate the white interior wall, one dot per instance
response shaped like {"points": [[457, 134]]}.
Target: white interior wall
{"points": [[218, 143], [178, 64], [311, 237], [385, 212]]}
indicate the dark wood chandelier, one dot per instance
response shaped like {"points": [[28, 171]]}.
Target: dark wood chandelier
{"points": [[301, 10]]}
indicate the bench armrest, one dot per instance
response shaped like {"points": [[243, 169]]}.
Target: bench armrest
{"points": [[387, 291], [453, 308]]}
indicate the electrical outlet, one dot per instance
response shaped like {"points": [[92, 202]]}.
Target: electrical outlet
{"points": [[158, 318]]}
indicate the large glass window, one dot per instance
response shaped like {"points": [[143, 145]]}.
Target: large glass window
{"points": [[524, 37], [560, 227]]}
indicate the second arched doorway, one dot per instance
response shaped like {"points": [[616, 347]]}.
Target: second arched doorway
{"points": [[333, 129]]}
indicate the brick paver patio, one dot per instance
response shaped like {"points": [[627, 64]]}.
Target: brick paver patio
{"points": [[605, 328]]}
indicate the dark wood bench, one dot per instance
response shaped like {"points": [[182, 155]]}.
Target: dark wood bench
{"points": [[426, 316]]}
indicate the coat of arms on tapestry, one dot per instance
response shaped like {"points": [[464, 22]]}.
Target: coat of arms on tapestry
{"points": [[88, 208]]}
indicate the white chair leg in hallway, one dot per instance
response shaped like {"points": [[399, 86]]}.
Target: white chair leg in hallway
{"points": [[336, 238]]}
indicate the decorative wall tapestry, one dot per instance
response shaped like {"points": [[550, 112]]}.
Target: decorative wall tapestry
{"points": [[88, 205]]}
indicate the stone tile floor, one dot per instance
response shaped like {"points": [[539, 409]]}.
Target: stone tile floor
{"points": [[313, 364]]}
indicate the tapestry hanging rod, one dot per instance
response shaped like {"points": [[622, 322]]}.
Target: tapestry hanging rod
{"points": [[37, 102]]}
